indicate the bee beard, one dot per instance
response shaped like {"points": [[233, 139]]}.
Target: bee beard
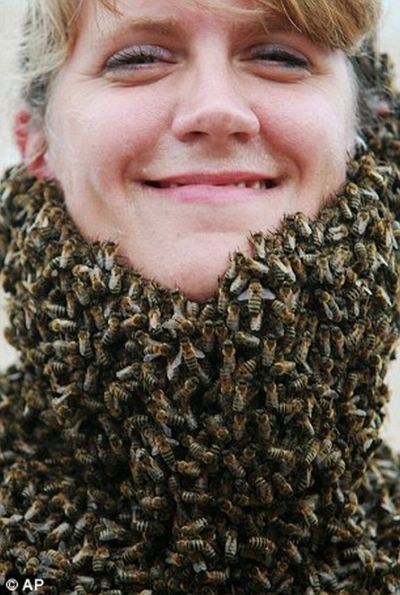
{"points": [[224, 445]]}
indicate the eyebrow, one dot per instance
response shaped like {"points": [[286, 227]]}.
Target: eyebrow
{"points": [[167, 26], [163, 26]]}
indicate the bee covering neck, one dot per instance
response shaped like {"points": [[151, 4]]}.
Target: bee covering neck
{"points": [[158, 443]]}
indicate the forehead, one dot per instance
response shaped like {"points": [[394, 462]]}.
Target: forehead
{"points": [[123, 11]]}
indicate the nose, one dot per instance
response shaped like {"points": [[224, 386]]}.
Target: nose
{"points": [[214, 107]]}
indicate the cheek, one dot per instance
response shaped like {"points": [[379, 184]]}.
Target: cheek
{"points": [[97, 138], [310, 129]]}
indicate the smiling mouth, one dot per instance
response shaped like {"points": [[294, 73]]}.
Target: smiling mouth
{"points": [[253, 184]]}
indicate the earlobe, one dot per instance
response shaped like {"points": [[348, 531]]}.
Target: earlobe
{"points": [[31, 142]]}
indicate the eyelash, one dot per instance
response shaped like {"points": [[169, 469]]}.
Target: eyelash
{"points": [[274, 53], [138, 57]]}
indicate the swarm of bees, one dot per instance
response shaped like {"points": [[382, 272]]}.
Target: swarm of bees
{"points": [[153, 445]]}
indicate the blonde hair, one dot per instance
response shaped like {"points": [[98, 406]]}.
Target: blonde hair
{"points": [[49, 32]]}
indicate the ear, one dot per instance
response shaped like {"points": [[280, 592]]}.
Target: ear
{"points": [[31, 141]]}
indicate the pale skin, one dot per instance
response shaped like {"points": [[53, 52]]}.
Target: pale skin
{"points": [[175, 132]]}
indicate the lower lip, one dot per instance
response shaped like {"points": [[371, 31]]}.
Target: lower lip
{"points": [[208, 193]]}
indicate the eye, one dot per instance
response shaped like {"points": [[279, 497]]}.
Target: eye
{"points": [[138, 57], [278, 56]]}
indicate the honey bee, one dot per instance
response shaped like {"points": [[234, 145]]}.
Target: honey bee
{"points": [[190, 354], [255, 293], [106, 255], [67, 254], [97, 280], [59, 325], [337, 233], [264, 490], [282, 368], [155, 349], [170, 419], [306, 509], [165, 450], [223, 299], [32, 566], [188, 468], [112, 332], [102, 357], [216, 577], [247, 368], [83, 525], [189, 387], [154, 317], [282, 269], [239, 283], [294, 406], [345, 209], [90, 381], [231, 545], [136, 321], [207, 312], [100, 555], [237, 470], [247, 340], [383, 297], [239, 426], [268, 352], [115, 280], [331, 309], [233, 316], [241, 395], [208, 336], [199, 498], [131, 371], [361, 223], [132, 576], [282, 486], [329, 579], [279, 454], [254, 266], [36, 508], [338, 340], [262, 544], [258, 242], [133, 552], [196, 545], [293, 552], [84, 346], [228, 353], [195, 526], [153, 502], [301, 224], [98, 316], [325, 339], [354, 339], [282, 311], [324, 271]]}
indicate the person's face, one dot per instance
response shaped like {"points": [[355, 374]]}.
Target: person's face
{"points": [[175, 131]]}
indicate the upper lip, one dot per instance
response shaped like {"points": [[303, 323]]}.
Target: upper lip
{"points": [[217, 179]]}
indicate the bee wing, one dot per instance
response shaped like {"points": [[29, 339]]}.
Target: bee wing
{"points": [[267, 294], [150, 356], [245, 295], [198, 353], [176, 362]]}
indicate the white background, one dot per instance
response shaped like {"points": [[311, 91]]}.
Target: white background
{"points": [[10, 11]]}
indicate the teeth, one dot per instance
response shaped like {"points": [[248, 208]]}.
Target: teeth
{"points": [[257, 185]]}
